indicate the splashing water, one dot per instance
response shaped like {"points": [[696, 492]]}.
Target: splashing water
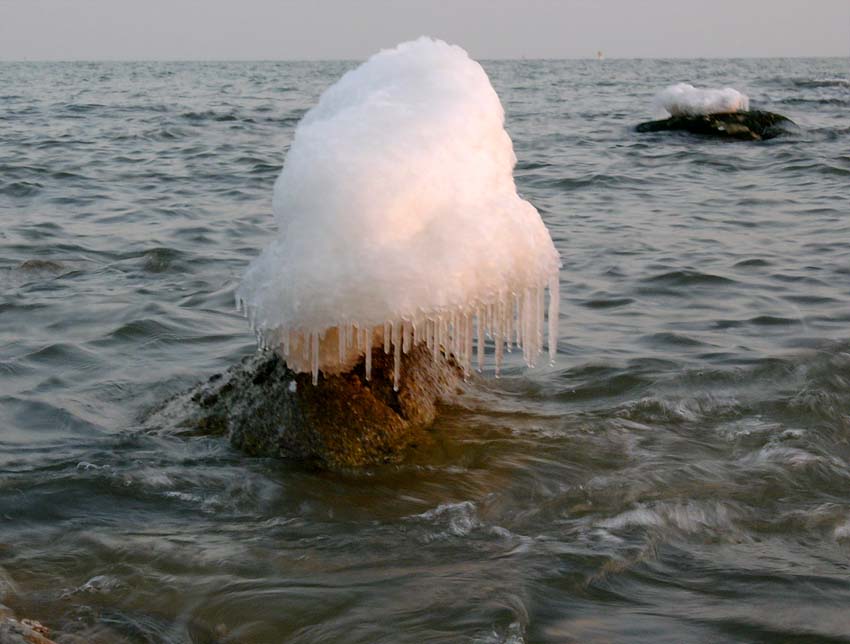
{"points": [[684, 99], [400, 224]]}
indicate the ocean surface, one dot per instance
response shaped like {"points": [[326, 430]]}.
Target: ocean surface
{"points": [[681, 474]]}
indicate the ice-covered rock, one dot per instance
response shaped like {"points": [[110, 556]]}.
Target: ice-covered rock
{"points": [[399, 224], [683, 99]]}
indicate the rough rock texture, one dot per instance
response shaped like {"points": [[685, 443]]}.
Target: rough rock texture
{"points": [[742, 126], [266, 409], [13, 630], [101, 624], [25, 631]]}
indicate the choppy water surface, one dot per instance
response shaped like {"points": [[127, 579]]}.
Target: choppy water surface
{"points": [[680, 475]]}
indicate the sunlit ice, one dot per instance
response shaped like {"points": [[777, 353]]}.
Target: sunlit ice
{"points": [[399, 223]]}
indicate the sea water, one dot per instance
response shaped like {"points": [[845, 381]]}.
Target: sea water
{"points": [[679, 475]]}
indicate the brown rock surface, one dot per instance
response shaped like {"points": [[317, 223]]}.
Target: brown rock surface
{"points": [[25, 631], [266, 409]]}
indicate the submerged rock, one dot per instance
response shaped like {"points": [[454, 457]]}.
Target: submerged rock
{"points": [[12, 629], [743, 126], [266, 409], [25, 631], [41, 266]]}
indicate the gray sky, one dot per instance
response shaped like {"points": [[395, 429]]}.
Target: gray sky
{"points": [[353, 29]]}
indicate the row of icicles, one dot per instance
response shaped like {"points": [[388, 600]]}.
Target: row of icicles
{"points": [[510, 321]]}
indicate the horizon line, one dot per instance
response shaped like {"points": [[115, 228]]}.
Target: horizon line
{"points": [[358, 60]]}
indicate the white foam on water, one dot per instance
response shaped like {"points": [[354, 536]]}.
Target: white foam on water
{"points": [[684, 99], [842, 531], [399, 221]]}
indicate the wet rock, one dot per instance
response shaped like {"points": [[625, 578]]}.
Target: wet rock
{"points": [[266, 409], [41, 265], [742, 126], [25, 631], [159, 260]]}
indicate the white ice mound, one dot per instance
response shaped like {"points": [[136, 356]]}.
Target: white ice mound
{"points": [[686, 100], [399, 222]]}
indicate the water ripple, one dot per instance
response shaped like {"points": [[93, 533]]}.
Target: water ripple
{"points": [[679, 474]]}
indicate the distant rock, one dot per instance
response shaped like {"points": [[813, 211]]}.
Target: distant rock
{"points": [[742, 126], [41, 266], [266, 409]]}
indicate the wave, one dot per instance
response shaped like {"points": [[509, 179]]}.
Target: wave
{"points": [[607, 303], [821, 82], [803, 100], [211, 115], [687, 277], [689, 517], [81, 108], [21, 188]]}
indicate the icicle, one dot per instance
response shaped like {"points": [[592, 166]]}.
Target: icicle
{"points": [[432, 335], [497, 337], [449, 340], [509, 317], [396, 355], [519, 321], [443, 334], [341, 342], [387, 331], [367, 342], [506, 325], [429, 333], [315, 357], [532, 330], [416, 333], [457, 340], [456, 335], [480, 343], [530, 334], [539, 322], [461, 340], [554, 312], [527, 338], [467, 349], [405, 335]]}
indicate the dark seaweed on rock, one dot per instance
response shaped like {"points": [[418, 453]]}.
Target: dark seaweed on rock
{"points": [[743, 126]]}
